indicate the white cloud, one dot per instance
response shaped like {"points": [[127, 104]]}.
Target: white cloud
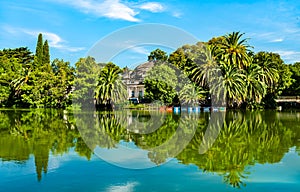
{"points": [[277, 40], [289, 56], [271, 37], [152, 6], [54, 40], [114, 9], [108, 8], [140, 50], [128, 187], [177, 14]]}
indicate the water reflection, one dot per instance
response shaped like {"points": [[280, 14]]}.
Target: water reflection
{"points": [[160, 136], [38, 133], [245, 138]]}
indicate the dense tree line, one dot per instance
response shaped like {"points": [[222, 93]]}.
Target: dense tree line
{"points": [[28, 80], [227, 68], [249, 80]]}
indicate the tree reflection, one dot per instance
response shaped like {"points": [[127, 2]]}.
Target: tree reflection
{"points": [[245, 139], [164, 136], [38, 133]]}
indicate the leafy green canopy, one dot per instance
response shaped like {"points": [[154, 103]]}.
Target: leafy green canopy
{"points": [[31, 81]]}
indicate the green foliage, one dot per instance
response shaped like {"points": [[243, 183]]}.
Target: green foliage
{"points": [[158, 55], [86, 75], [255, 87], [275, 74], [39, 51], [46, 54], [63, 83], [233, 83], [232, 49], [28, 81], [15, 66], [197, 66], [192, 94], [110, 88], [294, 89], [227, 63], [160, 84], [249, 79]]}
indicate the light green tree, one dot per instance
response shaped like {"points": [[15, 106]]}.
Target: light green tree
{"points": [[110, 89]]}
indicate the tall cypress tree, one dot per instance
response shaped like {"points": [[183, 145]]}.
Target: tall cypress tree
{"points": [[46, 56], [39, 51]]}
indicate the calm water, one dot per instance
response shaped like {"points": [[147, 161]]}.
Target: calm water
{"points": [[51, 150]]}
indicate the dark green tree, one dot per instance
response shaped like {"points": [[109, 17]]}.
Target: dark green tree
{"points": [[39, 51], [15, 66], [275, 74], [86, 75], [46, 56], [294, 89], [63, 83], [160, 84], [158, 55]]}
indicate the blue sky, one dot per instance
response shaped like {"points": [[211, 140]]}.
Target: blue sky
{"points": [[72, 27]]}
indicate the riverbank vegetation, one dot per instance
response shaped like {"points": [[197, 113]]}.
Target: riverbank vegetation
{"points": [[249, 80]]}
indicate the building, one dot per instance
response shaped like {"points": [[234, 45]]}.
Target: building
{"points": [[134, 80]]}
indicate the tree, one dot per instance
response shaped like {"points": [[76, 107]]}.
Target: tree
{"points": [[232, 49], [206, 70], [160, 84], [39, 51], [233, 82], [255, 87], [86, 76], [294, 89], [63, 83], [46, 56], [192, 94], [268, 66], [158, 55], [110, 88], [276, 75], [15, 66]]}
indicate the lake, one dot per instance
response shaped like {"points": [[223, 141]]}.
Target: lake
{"points": [[56, 150]]}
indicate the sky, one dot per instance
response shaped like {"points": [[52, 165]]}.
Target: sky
{"points": [[73, 27]]}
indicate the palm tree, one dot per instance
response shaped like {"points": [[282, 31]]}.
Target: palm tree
{"points": [[255, 88], [231, 85], [191, 94], [204, 73], [269, 68], [110, 87], [234, 50]]}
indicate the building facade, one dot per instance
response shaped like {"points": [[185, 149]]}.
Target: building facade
{"points": [[134, 80]]}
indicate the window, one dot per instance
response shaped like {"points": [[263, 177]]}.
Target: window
{"points": [[132, 93]]}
